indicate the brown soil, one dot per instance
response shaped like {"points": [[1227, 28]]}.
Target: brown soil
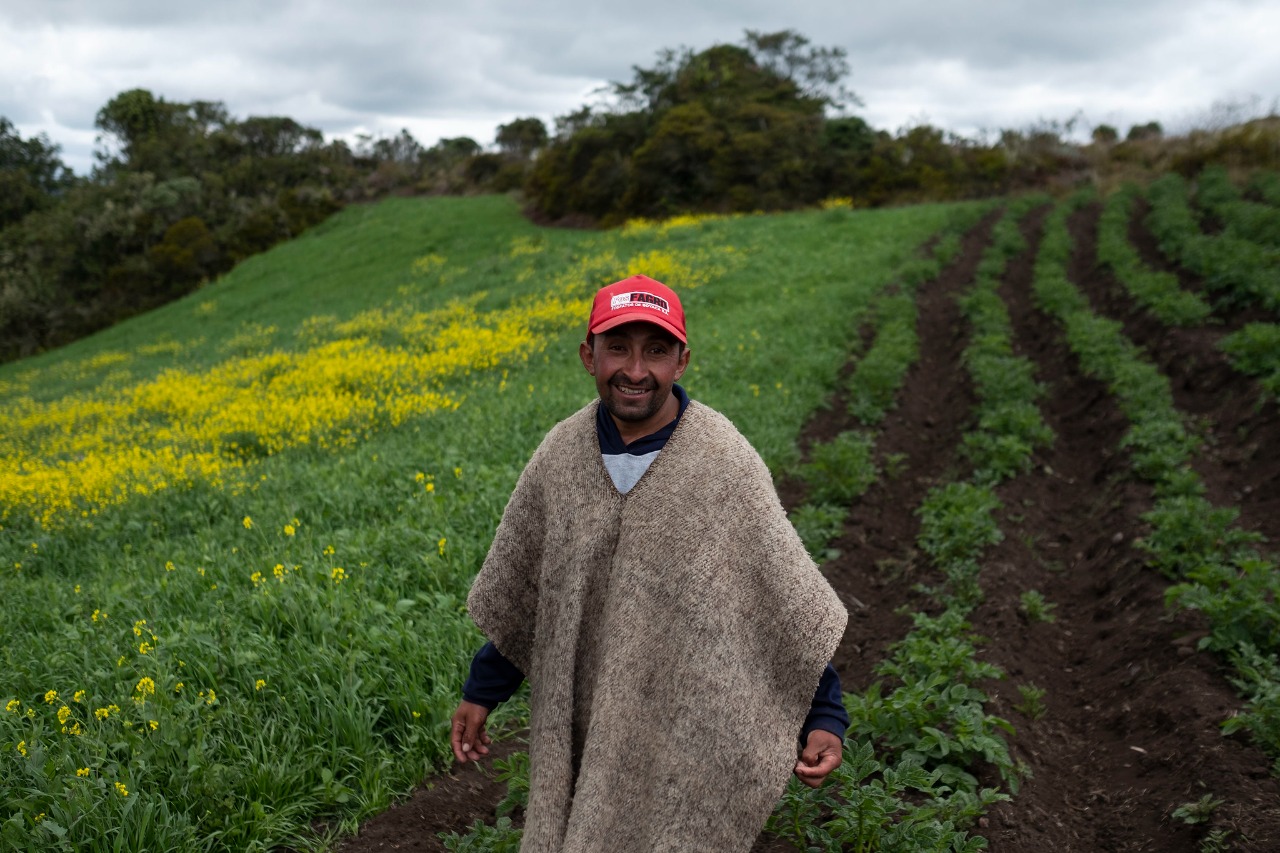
{"points": [[1132, 712]]}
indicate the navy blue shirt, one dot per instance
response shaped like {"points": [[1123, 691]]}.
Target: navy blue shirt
{"points": [[494, 679]]}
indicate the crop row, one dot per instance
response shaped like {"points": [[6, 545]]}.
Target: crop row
{"points": [[907, 780], [1266, 186], [1157, 291], [1219, 572], [1219, 197], [1242, 270], [1255, 350]]}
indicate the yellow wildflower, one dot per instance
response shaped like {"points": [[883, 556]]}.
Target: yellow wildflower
{"points": [[177, 688], [39, 817], [168, 566], [457, 472], [51, 697], [97, 615], [248, 523], [328, 551], [120, 661], [121, 789], [79, 696], [431, 487], [83, 772], [146, 687], [137, 627], [338, 574], [289, 530], [256, 577], [145, 648], [22, 748], [259, 684], [278, 570], [154, 724], [77, 589], [13, 706], [211, 698], [440, 546], [420, 477], [64, 714], [73, 729]]}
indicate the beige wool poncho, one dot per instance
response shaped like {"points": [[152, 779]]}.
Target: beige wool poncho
{"points": [[673, 638]]}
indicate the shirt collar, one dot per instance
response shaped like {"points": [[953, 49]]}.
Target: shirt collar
{"points": [[611, 443]]}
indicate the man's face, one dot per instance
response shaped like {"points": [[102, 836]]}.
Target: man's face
{"points": [[634, 366]]}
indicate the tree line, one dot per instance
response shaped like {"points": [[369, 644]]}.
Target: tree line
{"points": [[183, 191]]}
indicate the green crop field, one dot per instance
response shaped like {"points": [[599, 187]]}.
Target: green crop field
{"points": [[236, 533]]}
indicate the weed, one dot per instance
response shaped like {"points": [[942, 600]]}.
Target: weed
{"points": [[502, 837], [895, 464], [1035, 608], [513, 770], [1032, 704], [1217, 841], [1198, 812]]}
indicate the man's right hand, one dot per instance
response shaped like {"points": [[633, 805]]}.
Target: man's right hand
{"points": [[470, 740]]}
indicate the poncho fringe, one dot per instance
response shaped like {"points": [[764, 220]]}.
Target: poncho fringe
{"points": [[673, 638]]}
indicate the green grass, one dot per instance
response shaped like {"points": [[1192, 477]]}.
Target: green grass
{"points": [[326, 693]]}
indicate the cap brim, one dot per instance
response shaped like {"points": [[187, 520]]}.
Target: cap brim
{"points": [[649, 317]]}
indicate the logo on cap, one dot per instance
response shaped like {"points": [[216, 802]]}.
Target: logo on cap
{"points": [[638, 299]]}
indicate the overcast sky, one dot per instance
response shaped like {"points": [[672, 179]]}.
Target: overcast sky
{"points": [[462, 68]]}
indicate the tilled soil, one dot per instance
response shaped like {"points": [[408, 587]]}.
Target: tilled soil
{"points": [[1130, 729]]}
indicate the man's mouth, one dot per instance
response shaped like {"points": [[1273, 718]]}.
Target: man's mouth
{"points": [[631, 390]]}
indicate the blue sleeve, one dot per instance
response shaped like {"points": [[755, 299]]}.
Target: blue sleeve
{"points": [[827, 712], [493, 678]]}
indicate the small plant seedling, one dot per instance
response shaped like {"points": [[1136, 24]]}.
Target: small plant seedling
{"points": [[1217, 841], [1032, 704], [1198, 812], [1035, 608], [894, 465]]}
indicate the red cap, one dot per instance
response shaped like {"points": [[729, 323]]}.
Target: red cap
{"points": [[637, 298]]}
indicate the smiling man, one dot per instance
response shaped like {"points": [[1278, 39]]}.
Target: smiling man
{"points": [[675, 633]]}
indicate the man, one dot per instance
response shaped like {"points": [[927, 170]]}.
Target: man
{"points": [[646, 578]]}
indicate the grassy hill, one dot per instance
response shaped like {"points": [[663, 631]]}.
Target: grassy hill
{"points": [[236, 533]]}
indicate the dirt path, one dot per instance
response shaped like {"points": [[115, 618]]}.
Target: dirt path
{"points": [[915, 450]]}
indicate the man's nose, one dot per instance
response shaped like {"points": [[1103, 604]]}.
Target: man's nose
{"points": [[634, 368]]}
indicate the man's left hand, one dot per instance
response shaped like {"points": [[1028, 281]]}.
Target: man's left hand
{"points": [[821, 755]]}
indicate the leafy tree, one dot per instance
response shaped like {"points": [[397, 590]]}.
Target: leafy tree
{"points": [[1105, 134], [729, 127], [1150, 130], [522, 138], [31, 173], [154, 135]]}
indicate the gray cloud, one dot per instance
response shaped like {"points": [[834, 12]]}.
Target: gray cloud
{"points": [[454, 68]]}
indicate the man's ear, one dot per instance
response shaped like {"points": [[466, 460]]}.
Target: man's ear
{"points": [[588, 357], [683, 362]]}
